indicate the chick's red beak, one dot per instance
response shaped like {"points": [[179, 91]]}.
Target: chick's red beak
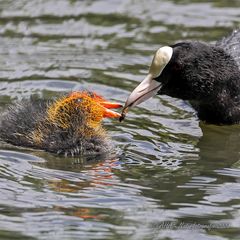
{"points": [[110, 105], [107, 113]]}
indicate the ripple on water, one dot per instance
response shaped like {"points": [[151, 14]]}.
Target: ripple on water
{"points": [[63, 198]]}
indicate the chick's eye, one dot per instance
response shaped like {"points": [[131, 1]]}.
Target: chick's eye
{"points": [[78, 100], [91, 94]]}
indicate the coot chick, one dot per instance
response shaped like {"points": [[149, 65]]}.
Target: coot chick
{"points": [[207, 75], [69, 125]]}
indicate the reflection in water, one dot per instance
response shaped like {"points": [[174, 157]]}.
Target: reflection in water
{"points": [[166, 168], [220, 144]]}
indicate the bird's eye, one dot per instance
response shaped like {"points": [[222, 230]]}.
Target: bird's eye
{"points": [[78, 100], [177, 66], [91, 94]]}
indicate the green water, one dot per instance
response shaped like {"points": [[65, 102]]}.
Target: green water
{"points": [[171, 177]]}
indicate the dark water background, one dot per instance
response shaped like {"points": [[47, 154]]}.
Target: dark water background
{"points": [[172, 178]]}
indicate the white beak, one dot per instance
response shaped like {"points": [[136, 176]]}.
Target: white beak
{"points": [[145, 90], [149, 87]]}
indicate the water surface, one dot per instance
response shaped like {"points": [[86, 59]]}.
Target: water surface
{"points": [[171, 177]]}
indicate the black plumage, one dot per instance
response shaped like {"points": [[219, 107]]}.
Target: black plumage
{"points": [[207, 75]]}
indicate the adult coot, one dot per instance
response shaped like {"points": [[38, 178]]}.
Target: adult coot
{"points": [[208, 75], [69, 125]]}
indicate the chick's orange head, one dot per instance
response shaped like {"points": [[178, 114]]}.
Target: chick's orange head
{"points": [[94, 105], [90, 105]]}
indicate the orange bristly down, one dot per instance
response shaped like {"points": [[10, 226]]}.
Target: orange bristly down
{"points": [[93, 106]]}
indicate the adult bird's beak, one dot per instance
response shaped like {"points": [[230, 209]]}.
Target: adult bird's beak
{"points": [[107, 113], [149, 87], [145, 90]]}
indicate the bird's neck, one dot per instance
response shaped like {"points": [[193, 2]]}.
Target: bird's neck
{"points": [[224, 109]]}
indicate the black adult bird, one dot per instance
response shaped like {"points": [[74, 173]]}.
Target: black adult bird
{"points": [[206, 75]]}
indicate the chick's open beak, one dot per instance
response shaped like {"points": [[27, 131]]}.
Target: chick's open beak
{"points": [[107, 113], [110, 105]]}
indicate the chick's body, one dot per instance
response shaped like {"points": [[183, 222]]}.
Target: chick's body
{"points": [[70, 125]]}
